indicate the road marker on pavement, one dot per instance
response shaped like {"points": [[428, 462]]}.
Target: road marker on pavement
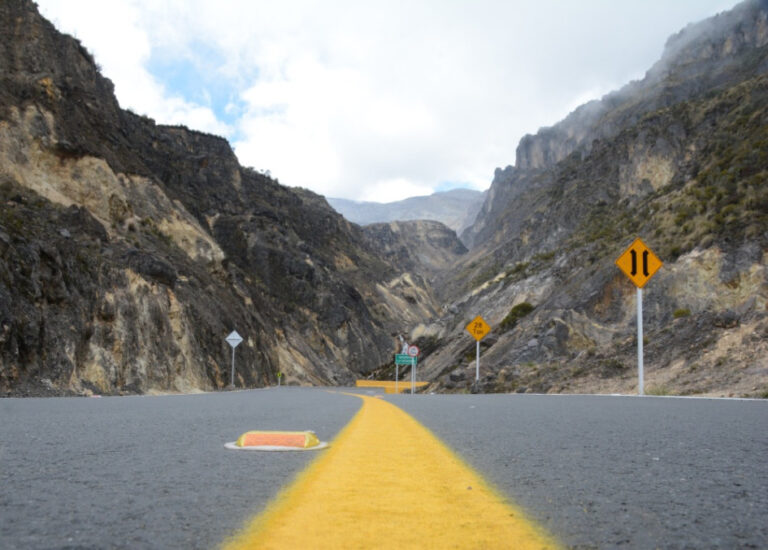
{"points": [[277, 441], [363, 492]]}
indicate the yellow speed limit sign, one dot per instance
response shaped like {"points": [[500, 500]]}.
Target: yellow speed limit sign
{"points": [[478, 328]]}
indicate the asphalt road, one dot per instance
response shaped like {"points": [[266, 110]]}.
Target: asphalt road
{"points": [[617, 472], [596, 471], [147, 472]]}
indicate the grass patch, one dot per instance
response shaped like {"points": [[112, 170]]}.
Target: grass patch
{"points": [[518, 269], [610, 368], [515, 314], [681, 312], [659, 391], [544, 256], [485, 275], [516, 273]]}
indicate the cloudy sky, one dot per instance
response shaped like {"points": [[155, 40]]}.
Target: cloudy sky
{"points": [[371, 100]]}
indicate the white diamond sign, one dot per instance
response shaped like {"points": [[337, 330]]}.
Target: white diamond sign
{"points": [[234, 339]]}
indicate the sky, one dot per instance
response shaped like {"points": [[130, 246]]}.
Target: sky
{"points": [[371, 100]]}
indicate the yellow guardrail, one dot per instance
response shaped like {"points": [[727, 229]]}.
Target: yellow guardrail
{"points": [[389, 385]]}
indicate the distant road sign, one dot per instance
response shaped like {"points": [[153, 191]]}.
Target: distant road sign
{"points": [[234, 339], [639, 263], [403, 359], [478, 328], [413, 351]]}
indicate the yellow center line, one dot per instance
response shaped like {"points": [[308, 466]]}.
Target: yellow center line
{"points": [[387, 482]]}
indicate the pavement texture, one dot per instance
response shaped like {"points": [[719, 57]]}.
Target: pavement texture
{"points": [[148, 471], [594, 471], [617, 472]]}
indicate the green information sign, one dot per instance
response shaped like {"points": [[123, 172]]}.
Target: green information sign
{"points": [[403, 359]]}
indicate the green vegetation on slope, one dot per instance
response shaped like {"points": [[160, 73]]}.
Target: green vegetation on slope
{"points": [[719, 194]]}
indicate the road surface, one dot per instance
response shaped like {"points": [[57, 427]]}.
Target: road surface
{"points": [[608, 472], [594, 471]]}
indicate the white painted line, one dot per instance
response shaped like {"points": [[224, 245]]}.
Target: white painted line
{"points": [[634, 395]]}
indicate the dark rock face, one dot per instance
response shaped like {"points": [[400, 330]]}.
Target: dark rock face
{"points": [[426, 247], [129, 250], [506, 186]]}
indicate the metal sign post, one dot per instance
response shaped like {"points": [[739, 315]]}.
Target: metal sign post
{"points": [[639, 263], [233, 340], [477, 362], [640, 389], [478, 328], [405, 359], [413, 351]]}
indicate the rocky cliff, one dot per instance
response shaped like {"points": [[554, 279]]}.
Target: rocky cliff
{"points": [[426, 247], [129, 250], [678, 159]]}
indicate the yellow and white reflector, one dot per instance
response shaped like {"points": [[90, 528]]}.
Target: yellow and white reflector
{"points": [[260, 440]]}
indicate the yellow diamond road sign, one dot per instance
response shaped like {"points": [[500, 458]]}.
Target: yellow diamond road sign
{"points": [[478, 328], [639, 263]]}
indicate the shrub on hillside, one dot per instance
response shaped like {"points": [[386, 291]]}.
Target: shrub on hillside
{"points": [[515, 314]]}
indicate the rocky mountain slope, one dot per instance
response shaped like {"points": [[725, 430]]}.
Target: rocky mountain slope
{"points": [[457, 209], [679, 159], [129, 250]]}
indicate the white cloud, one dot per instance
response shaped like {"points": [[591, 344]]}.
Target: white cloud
{"points": [[114, 33], [394, 190], [373, 99]]}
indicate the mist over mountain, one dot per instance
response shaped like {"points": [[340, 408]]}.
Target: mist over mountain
{"points": [[456, 208]]}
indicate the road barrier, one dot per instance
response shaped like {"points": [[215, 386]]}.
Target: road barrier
{"points": [[277, 441], [388, 385]]}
